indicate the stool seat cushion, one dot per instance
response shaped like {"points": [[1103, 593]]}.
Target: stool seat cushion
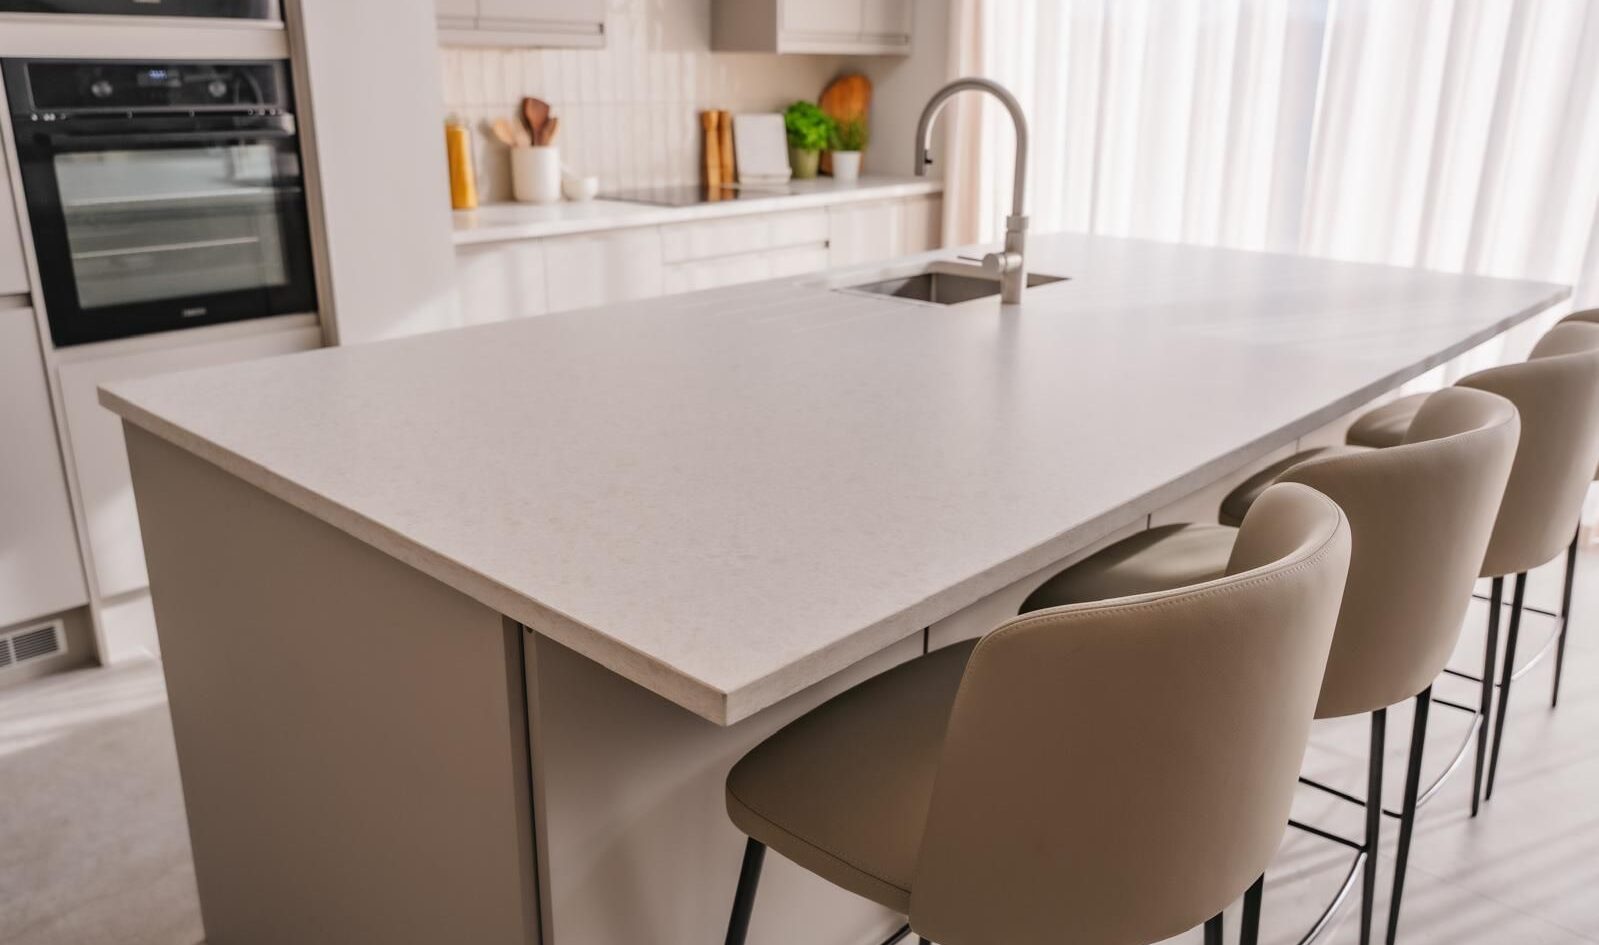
{"points": [[844, 790], [1157, 559], [1386, 425], [1238, 501]]}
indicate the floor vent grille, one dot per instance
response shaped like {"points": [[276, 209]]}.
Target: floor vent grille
{"points": [[32, 643]]}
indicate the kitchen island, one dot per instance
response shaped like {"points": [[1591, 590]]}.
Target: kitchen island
{"points": [[463, 631]]}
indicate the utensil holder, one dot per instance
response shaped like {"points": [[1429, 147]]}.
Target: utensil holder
{"points": [[536, 174]]}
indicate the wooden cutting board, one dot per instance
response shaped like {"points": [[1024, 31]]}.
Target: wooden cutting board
{"points": [[846, 98]]}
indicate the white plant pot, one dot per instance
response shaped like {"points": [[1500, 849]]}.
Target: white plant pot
{"points": [[846, 165], [536, 174]]}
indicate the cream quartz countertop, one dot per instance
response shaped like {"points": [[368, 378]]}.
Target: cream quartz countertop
{"points": [[519, 221], [731, 495]]}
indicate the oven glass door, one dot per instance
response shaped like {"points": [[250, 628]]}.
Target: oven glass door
{"points": [[141, 237], [246, 9]]}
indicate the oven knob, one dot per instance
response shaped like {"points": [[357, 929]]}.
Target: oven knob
{"points": [[217, 88], [101, 88]]}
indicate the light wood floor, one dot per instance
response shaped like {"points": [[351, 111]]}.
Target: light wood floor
{"points": [[93, 847]]}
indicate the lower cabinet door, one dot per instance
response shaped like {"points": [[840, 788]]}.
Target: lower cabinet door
{"points": [[99, 457], [40, 570], [619, 266], [872, 232], [501, 281]]}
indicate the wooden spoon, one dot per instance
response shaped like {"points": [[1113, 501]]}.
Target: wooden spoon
{"points": [[551, 128], [535, 113], [504, 133]]}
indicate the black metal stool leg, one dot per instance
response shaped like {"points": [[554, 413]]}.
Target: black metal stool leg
{"points": [[1490, 654], [1505, 679], [1249, 926], [1213, 930], [1407, 811], [1368, 889], [749, 877], [1565, 619]]}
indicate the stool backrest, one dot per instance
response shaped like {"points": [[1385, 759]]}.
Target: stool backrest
{"points": [[1557, 392], [1420, 515], [1119, 771], [1587, 315]]}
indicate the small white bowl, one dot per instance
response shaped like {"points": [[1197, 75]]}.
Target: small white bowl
{"points": [[579, 189]]}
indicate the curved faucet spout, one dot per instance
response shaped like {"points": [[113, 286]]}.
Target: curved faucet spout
{"points": [[1010, 265], [924, 130]]}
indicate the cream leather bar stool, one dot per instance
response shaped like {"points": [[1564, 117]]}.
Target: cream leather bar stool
{"points": [[1421, 515], [1024, 789], [1557, 391], [1386, 426]]}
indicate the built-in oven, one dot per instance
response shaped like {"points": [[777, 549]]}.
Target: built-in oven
{"points": [[161, 195], [240, 9]]}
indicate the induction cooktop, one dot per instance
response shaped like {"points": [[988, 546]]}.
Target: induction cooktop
{"points": [[688, 195]]}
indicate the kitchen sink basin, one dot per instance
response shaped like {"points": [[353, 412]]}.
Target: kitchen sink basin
{"points": [[938, 285]]}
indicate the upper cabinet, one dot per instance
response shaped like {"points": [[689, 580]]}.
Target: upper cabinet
{"points": [[850, 27], [571, 23]]}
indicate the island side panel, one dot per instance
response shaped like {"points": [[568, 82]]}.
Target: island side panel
{"points": [[634, 820], [351, 734]]}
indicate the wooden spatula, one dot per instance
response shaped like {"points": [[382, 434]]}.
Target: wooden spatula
{"points": [[535, 113]]}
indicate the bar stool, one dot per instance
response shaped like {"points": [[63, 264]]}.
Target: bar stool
{"points": [[1024, 787], [1557, 391], [1386, 425], [1421, 514]]}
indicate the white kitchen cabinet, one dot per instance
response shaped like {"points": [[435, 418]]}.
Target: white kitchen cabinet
{"points": [[872, 232], [742, 235], [501, 281], [40, 570], [13, 267], [599, 269], [735, 270], [887, 21], [822, 17], [707, 254], [571, 23], [849, 27], [517, 278], [456, 14], [99, 458]]}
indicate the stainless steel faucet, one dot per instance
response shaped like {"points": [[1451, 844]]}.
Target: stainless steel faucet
{"points": [[1010, 265]]}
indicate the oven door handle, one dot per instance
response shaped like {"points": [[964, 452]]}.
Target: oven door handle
{"points": [[116, 139]]}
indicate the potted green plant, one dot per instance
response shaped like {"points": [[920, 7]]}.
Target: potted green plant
{"points": [[809, 130], [849, 140]]}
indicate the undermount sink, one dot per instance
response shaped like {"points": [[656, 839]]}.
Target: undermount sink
{"points": [[945, 284]]}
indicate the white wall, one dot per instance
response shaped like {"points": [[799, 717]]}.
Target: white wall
{"points": [[629, 112], [368, 78], [903, 84]]}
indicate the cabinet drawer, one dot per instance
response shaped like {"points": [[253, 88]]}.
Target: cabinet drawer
{"points": [[713, 238], [734, 270]]}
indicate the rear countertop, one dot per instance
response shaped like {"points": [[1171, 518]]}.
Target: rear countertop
{"points": [[520, 221]]}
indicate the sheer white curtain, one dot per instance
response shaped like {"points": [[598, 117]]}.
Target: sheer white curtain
{"points": [[1460, 135]]}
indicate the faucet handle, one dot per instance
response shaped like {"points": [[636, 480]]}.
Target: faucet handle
{"points": [[997, 264]]}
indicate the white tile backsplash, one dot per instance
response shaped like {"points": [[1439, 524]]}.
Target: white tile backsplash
{"points": [[629, 112]]}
